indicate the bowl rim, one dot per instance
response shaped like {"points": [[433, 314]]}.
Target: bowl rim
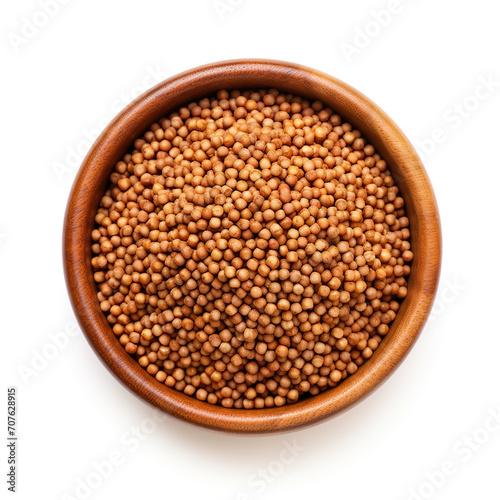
{"points": [[353, 106]]}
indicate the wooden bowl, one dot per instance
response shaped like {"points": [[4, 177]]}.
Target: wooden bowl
{"points": [[168, 96]]}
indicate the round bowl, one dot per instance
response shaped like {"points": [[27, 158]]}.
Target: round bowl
{"points": [[406, 167]]}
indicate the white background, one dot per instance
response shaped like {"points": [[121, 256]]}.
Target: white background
{"points": [[65, 80]]}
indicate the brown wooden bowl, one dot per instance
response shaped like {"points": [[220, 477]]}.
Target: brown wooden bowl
{"points": [[168, 96]]}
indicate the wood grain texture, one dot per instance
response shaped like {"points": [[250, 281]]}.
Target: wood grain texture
{"points": [[92, 180]]}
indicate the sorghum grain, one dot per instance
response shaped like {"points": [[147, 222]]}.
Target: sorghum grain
{"points": [[251, 250]]}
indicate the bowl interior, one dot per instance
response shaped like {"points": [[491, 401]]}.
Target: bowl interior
{"points": [[117, 139]]}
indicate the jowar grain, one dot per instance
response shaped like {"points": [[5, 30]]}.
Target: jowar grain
{"points": [[252, 250]]}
